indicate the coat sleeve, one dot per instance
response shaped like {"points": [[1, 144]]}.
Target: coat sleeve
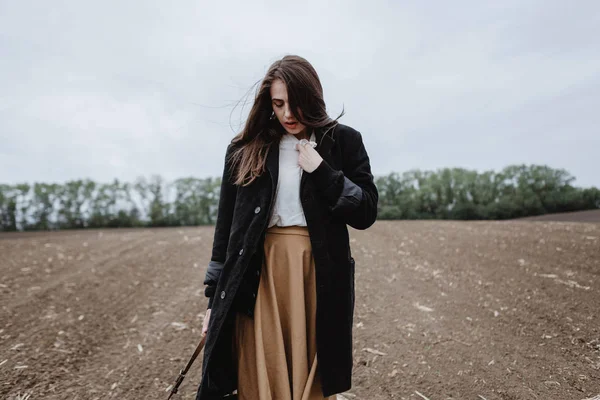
{"points": [[351, 193], [225, 209]]}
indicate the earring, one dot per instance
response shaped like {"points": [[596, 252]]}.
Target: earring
{"points": [[272, 115]]}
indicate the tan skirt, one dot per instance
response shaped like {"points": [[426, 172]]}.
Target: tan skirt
{"points": [[277, 350]]}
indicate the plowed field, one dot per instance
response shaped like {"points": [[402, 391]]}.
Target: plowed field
{"points": [[444, 310]]}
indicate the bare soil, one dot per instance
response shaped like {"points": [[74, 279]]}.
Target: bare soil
{"points": [[444, 310], [575, 216]]}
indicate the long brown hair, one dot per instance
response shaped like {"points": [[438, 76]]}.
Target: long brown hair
{"points": [[261, 131]]}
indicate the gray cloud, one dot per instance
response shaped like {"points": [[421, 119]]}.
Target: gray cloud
{"points": [[122, 89]]}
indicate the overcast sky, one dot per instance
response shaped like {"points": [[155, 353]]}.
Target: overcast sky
{"points": [[122, 89]]}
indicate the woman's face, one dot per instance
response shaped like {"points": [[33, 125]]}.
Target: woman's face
{"points": [[281, 108]]}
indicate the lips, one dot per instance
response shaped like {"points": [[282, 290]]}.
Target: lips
{"points": [[291, 124]]}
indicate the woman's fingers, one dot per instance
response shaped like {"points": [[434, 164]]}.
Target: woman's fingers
{"points": [[308, 158], [301, 147], [205, 322]]}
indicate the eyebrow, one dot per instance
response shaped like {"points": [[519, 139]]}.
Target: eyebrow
{"points": [[275, 99]]}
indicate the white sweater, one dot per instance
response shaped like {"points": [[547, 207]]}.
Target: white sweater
{"points": [[287, 210]]}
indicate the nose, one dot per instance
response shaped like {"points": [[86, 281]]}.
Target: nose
{"points": [[287, 112]]}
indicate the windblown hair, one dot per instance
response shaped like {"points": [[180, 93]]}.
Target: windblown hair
{"points": [[261, 131]]}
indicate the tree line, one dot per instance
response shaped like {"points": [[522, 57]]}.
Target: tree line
{"points": [[450, 193], [455, 193]]}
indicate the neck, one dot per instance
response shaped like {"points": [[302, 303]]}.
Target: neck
{"points": [[304, 134]]}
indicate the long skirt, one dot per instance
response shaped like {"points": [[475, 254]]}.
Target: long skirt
{"points": [[277, 349]]}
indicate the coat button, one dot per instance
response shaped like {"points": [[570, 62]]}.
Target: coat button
{"points": [[223, 294], [241, 251], [256, 210]]}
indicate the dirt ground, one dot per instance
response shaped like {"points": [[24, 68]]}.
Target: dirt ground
{"points": [[444, 310], [576, 216]]}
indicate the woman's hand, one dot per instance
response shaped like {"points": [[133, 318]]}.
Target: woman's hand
{"points": [[309, 159], [205, 323]]}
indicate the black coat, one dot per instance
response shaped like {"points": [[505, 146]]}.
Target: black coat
{"points": [[338, 193]]}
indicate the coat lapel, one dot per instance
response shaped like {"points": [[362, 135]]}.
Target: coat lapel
{"points": [[325, 140]]}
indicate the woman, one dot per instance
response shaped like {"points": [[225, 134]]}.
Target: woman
{"points": [[281, 277]]}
